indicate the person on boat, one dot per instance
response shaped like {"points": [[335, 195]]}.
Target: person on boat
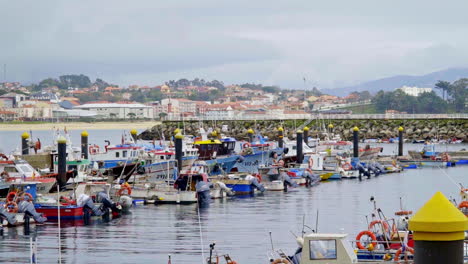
{"points": [[27, 207]]}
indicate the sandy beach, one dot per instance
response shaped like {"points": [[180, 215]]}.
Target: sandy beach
{"points": [[78, 126]]}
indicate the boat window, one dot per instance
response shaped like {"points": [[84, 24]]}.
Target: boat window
{"points": [[117, 154], [322, 249], [10, 169], [25, 168], [124, 154]]}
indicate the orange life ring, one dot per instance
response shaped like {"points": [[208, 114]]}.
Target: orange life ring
{"points": [[246, 145], [347, 166], [403, 212], [398, 253], [11, 207], [259, 177], [463, 204], [368, 233], [381, 222], [281, 260], [26, 194], [11, 196], [124, 187]]}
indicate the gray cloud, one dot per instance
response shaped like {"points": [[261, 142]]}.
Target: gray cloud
{"points": [[331, 43]]}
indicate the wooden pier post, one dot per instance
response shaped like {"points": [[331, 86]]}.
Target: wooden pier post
{"points": [[299, 142], [178, 150], [280, 137], [439, 232], [356, 142], [84, 144], [251, 134], [400, 141], [306, 135], [24, 143], [134, 134], [62, 161]]}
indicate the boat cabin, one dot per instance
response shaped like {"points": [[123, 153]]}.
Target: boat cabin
{"points": [[327, 248], [208, 149], [17, 169]]}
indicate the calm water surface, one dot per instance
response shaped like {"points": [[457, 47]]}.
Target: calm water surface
{"points": [[239, 226]]}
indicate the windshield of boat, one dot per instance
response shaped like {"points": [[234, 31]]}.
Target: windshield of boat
{"points": [[25, 168], [322, 249]]}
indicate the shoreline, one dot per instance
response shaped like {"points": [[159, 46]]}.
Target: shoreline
{"points": [[78, 125]]}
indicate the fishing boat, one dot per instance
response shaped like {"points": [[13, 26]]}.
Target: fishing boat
{"points": [[428, 156], [17, 171], [87, 199], [19, 208], [258, 152], [218, 155]]}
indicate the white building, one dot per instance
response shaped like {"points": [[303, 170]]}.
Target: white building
{"points": [[119, 111], [414, 91]]}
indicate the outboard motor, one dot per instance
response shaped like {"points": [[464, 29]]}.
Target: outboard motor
{"points": [[126, 203], [362, 170], [380, 167], [223, 187], [27, 208], [86, 201], [255, 183], [4, 214], [311, 179], [203, 192], [107, 204], [374, 169], [287, 180]]}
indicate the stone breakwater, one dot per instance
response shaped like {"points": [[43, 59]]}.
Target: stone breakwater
{"points": [[382, 129]]}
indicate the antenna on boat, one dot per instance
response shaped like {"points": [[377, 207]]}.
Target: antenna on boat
{"points": [[271, 241]]}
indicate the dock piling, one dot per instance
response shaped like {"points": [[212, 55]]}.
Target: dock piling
{"points": [[62, 161], [356, 142], [280, 137], [438, 232], [134, 134], [299, 142], [178, 150], [24, 143], [400, 141], [306, 135], [251, 134], [84, 144]]}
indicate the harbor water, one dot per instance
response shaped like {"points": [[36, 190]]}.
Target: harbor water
{"points": [[240, 226]]}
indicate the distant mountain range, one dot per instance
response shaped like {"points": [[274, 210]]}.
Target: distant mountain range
{"points": [[391, 83]]}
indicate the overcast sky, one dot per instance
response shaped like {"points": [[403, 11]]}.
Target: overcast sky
{"points": [[330, 43]]}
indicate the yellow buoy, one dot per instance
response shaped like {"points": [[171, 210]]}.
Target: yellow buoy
{"points": [[84, 133]]}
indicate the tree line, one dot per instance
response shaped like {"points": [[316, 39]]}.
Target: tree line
{"points": [[454, 99]]}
